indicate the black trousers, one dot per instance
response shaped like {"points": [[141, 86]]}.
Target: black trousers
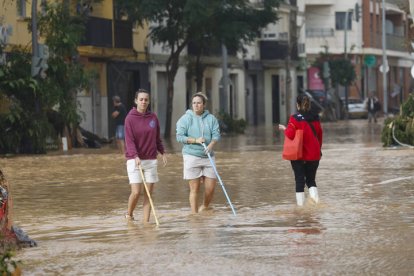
{"points": [[305, 173]]}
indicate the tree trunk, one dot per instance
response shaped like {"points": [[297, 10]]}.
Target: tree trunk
{"points": [[172, 69], [199, 70], [170, 98]]}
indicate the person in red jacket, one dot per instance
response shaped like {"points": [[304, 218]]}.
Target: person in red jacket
{"points": [[142, 143], [305, 168]]}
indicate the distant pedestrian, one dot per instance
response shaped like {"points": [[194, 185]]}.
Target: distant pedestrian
{"points": [[195, 127], [119, 114], [373, 106], [305, 168], [143, 143]]}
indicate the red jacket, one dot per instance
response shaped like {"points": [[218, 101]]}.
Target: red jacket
{"points": [[311, 144]]}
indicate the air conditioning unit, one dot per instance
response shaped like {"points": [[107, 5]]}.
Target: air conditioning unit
{"points": [[275, 36], [5, 32], [269, 36]]}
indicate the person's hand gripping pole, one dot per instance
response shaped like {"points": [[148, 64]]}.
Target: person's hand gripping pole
{"points": [[148, 194], [218, 177]]}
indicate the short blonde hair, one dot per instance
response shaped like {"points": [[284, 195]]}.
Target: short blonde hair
{"points": [[201, 95]]}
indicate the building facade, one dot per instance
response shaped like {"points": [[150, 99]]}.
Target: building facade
{"points": [[355, 28], [263, 82]]}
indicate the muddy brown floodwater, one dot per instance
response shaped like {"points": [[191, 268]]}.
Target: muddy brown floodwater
{"points": [[73, 205]]}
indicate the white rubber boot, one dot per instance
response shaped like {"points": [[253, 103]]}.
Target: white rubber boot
{"points": [[313, 193], [300, 199]]}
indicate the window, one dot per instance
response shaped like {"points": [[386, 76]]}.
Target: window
{"points": [[21, 8], [340, 20]]}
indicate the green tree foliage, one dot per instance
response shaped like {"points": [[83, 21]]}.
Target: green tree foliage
{"points": [[230, 125], [63, 33], [25, 102], [174, 23], [8, 266], [24, 126], [342, 72], [234, 23], [341, 69], [402, 125]]}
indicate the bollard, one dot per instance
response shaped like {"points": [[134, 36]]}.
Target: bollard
{"points": [[65, 144]]}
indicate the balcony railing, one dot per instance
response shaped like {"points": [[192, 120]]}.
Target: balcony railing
{"points": [[273, 49], [123, 34], [99, 33], [301, 48], [319, 2], [320, 32], [394, 42], [212, 50]]}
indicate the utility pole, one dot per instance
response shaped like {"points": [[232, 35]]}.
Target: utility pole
{"points": [[384, 62], [35, 43], [224, 81], [345, 51]]}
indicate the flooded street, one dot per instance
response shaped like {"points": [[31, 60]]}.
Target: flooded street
{"points": [[73, 206]]}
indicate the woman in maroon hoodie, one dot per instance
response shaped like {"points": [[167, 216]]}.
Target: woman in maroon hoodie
{"points": [[142, 142], [305, 168]]}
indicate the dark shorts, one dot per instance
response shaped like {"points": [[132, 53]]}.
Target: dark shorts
{"points": [[120, 132]]}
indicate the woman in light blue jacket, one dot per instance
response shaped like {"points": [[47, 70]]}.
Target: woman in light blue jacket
{"points": [[195, 127]]}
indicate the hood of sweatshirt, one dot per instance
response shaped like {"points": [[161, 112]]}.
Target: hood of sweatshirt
{"points": [[192, 114], [309, 116], [134, 112]]}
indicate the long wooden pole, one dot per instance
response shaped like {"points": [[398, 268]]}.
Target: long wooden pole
{"points": [[149, 195]]}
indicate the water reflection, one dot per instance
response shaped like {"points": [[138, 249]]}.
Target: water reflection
{"points": [[73, 205]]}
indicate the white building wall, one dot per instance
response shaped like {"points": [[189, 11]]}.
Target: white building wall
{"points": [[323, 17], [158, 94], [85, 111], [240, 93], [269, 95], [215, 74]]}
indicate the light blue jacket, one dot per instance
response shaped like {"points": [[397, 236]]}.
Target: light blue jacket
{"points": [[191, 125]]}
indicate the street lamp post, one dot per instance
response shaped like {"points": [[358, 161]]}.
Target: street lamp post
{"points": [[345, 51], [384, 62], [225, 81], [35, 44]]}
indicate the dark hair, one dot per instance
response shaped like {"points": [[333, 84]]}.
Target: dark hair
{"points": [[304, 102], [116, 99], [201, 95], [141, 90]]}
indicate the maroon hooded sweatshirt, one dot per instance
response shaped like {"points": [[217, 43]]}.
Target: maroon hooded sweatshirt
{"points": [[142, 135]]}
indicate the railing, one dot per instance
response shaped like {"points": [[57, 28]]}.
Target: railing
{"points": [[301, 48], [273, 49], [319, 2], [394, 42], [123, 34], [320, 32], [99, 33], [212, 50]]}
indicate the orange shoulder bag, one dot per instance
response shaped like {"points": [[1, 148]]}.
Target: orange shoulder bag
{"points": [[292, 149]]}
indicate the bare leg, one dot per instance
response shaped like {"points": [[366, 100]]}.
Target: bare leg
{"points": [[121, 145], [209, 186], [146, 204], [133, 198], [194, 188]]}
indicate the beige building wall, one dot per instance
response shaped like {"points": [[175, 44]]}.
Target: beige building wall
{"points": [[18, 19]]}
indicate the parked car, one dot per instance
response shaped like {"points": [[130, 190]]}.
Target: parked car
{"points": [[357, 108]]}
